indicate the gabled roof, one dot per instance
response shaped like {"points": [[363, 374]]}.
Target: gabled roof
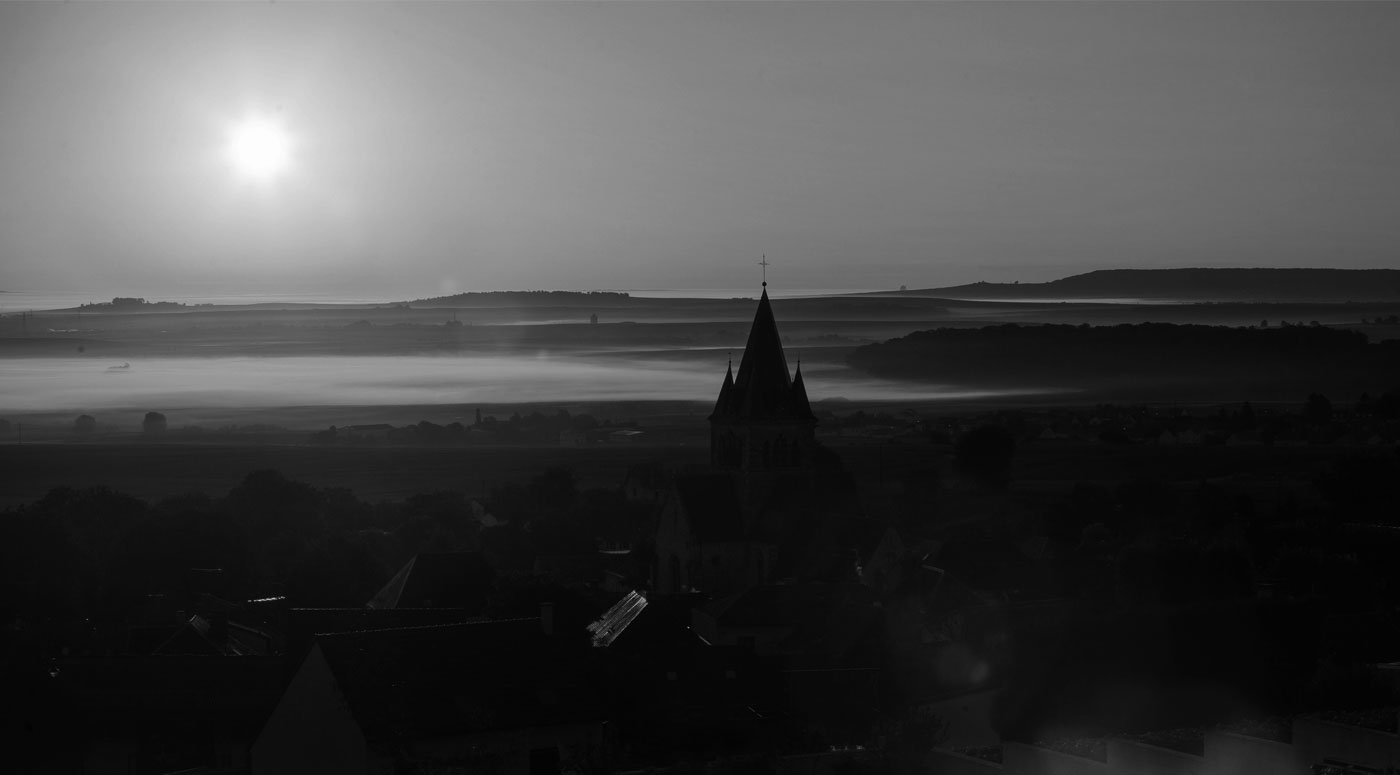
{"points": [[200, 635], [712, 506], [423, 682], [764, 388], [438, 580]]}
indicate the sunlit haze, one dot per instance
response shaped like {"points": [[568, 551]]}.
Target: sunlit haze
{"points": [[259, 149], [401, 150]]}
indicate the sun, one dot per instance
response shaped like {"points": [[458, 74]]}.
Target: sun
{"points": [[259, 149]]}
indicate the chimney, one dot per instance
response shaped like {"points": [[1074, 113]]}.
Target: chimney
{"points": [[547, 618]]}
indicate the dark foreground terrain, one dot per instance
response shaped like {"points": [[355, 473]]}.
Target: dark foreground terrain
{"points": [[1113, 569], [1082, 534]]}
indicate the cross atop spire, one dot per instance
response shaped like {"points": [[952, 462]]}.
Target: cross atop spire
{"points": [[764, 264]]}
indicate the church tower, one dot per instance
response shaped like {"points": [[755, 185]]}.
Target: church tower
{"points": [[721, 531], [762, 427]]}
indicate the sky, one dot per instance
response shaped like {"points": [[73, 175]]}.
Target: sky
{"points": [[428, 148]]}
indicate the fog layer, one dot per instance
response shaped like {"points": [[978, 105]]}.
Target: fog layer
{"points": [[48, 384]]}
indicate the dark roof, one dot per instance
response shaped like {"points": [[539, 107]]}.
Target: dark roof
{"points": [[304, 624], [438, 580], [825, 618], [711, 503], [764, 389], [424, 682], [616, 619], [174, 694]]}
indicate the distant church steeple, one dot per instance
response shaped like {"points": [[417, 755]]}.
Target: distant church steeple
{"points": [[762, 421]]}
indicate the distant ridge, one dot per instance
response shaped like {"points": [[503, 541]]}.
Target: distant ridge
{"points": [[1320, 285]]}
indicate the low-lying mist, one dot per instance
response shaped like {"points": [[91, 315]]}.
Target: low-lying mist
{"points": [[80, 384]]}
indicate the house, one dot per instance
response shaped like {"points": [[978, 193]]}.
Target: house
{"points": [[501, 697], [672, 695], [826, 642], [646, 482]]}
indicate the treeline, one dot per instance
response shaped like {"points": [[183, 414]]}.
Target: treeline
{"points": [[1147, 360], [534, 427], [124, 303]]}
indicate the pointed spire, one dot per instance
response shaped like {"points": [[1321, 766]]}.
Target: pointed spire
{"points": [[726, 390], [763, 389], [801, 407], [763, 371]]}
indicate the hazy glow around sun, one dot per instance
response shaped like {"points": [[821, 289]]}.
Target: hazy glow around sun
{"points": [[259, 149]]}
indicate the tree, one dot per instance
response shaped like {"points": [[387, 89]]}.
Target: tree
{"points": [[1246, 417], [984, 454], [85, 424], [154, 424], [270, 503], [1318, 409], [1360, 486]]}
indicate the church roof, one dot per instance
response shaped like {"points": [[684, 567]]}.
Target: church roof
{"points": [[764, 388]]}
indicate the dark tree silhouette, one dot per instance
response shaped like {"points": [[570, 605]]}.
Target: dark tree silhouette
{"points": [[984, 454], [1318, 409], [1361, 486], [85, 424], [270, 503], [153, 424]]}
